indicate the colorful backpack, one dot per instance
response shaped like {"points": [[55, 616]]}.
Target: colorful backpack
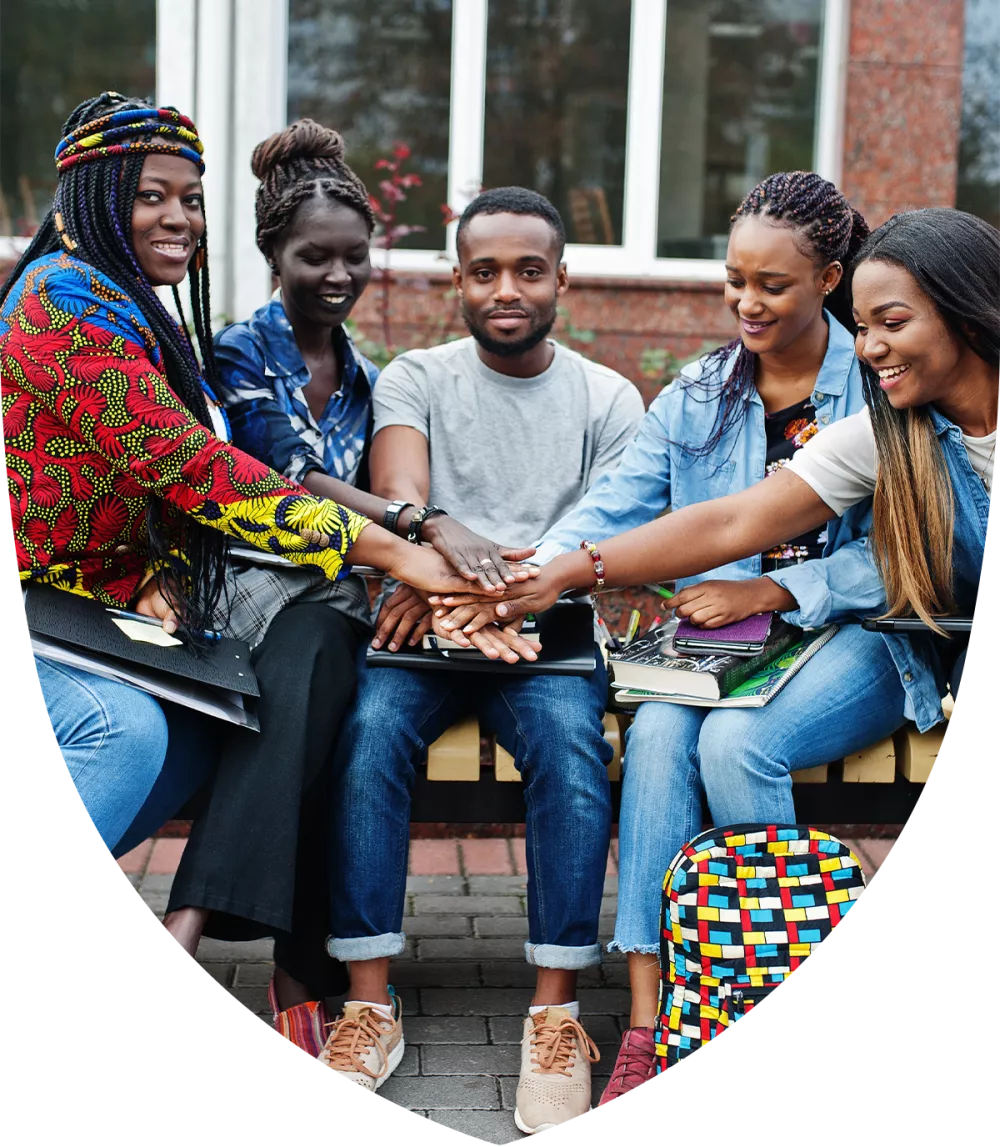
{"points": [[743, 906]]}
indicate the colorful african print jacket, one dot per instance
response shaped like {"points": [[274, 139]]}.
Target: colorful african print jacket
{"points": [[92, 431]]}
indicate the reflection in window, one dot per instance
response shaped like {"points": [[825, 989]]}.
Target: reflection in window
{"points": [[739, 100], [379, 74], [556, 102], [54, 55], [979, 149]]}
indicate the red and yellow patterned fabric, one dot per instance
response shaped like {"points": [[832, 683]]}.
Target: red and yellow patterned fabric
{"points": [[92, 430]]}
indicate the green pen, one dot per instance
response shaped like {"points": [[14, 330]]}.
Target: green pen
{"points": [[660, 590]]}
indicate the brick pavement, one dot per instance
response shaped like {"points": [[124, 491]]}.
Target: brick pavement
{"points": [[463, 980]]}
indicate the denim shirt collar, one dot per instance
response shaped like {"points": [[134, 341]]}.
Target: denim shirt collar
{"points": [[282, 357]]}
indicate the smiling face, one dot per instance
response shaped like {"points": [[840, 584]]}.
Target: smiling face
{"points": [[168, 218], [904, 339], [509, 279], [323, 260], [774, 291]]}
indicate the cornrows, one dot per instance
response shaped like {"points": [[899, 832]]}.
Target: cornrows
{"points": [[828, 230], [91, 218], [293, 165]]}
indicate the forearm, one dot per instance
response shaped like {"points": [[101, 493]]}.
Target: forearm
{"points": [[371, 505]]}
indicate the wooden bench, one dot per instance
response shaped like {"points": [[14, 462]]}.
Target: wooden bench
{"points": [[471, 779]]}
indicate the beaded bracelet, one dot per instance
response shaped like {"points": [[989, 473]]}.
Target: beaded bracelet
{"points": [[595, 557]]}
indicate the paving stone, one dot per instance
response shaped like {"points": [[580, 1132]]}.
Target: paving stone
{"points": [[434, 858], [875, 850], [517, 848], [610, 886], [254, 998], [438, 885], [605, 1001], [134, 878], [451, 1029], [134, 862], [166, 855], [519, 974], [615, 973], [410, 1063], [467, 905], [421, 926], [507, 1029], [486, 926], [473, 1001], [500, 949], [606, 927], [493, 1126], [441, 1092], [609, 906], [460, 1059], [486, 857], [435, 974], [157, 882], [221, 973], [156, 902], [253, 975], [508, 1092], [498, 885], [235, 952]]}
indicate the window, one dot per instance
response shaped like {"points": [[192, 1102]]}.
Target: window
{"points": [[54, 55], [556, 107], [979, 147], [739, 100], [379, 74]]}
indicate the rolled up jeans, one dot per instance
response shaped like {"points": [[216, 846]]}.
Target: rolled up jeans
{"points": [[133, 761], [553, 727]]}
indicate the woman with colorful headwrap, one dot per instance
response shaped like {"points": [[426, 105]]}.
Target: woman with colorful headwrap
{"points": [[122, 484]]}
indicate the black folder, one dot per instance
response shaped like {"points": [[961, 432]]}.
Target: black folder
{"points": [[566, 632], [79, 631]]}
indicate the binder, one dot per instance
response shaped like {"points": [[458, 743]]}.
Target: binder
{"points": [[566, 632], [79, 631]]}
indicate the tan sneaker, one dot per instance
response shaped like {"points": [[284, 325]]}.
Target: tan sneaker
{"points": [[556, 1054], [364, 1045]]}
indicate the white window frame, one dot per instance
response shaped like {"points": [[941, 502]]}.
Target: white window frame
{"points": [[225, 62]]}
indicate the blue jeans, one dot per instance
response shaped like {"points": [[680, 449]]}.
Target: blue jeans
{"points": [[551, 725], [131, 759], [848, 696]]}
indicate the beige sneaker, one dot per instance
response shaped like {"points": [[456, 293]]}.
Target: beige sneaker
{"points": [[364, 1045], [556, 1054]]}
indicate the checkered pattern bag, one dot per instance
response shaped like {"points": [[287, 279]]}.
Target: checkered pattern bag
{"points": [[743, 906]]}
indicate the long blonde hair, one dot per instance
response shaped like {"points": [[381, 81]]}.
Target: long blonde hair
{"points": [[955, 259]]}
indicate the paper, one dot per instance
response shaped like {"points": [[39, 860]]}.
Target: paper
{"points": [[140, 631]]}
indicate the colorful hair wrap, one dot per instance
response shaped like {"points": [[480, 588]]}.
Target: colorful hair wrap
{"points": [[161, 130]]}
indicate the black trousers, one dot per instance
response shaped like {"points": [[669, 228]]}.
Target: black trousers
{"points": [[258, 855]]}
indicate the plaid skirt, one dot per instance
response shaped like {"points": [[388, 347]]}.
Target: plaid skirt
{"points": [[256, 594]]}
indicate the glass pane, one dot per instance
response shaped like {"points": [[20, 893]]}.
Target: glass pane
{"points": [[556, 104], [739, 102], [979, 150], [381, 75], [53, 55]]}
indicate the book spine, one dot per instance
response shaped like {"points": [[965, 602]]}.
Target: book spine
{"points": [[745, 667]]}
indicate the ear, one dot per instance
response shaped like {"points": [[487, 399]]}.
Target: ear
{"points": [[456, 280], [831, 276], [562, 279]]}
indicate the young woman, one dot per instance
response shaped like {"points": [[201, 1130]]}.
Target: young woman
{"points": [[122, 488], [928, 321]]}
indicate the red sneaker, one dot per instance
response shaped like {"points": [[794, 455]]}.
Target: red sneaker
{"points": [[635, 1064], [303, 1024]]}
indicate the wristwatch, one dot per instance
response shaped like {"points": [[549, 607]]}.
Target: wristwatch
{"points": [[391, 516], [417, 522]]}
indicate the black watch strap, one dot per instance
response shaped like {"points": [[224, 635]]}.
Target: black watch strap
{"points": [[391, 516], [417, 522]]}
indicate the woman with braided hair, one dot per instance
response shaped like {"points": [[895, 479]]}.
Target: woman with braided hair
{"points": [[729, 419], [123, 488]]}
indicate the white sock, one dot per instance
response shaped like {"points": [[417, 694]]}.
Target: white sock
{"points": [[382, 1009], [573, 1008]]}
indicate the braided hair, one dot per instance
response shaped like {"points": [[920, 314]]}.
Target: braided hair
{"points": [[302, 160], [91, 216], [827, 230]]}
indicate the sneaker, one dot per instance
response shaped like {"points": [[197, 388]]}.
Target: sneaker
{"points": [[635, 1064], [304, 1024], [556, 1054], [364, 1045]]}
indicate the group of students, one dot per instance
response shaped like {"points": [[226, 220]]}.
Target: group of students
{"points": [[810, 470]]}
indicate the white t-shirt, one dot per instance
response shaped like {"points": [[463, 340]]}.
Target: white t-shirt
{"points": [[839, 463]]}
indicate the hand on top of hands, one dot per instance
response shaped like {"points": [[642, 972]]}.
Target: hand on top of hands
{"points": [[710, 604], [476, 558]]}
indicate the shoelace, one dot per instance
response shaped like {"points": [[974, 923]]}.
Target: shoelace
{"points": [[350, 1039], [631, 1070], [553, 1045]]}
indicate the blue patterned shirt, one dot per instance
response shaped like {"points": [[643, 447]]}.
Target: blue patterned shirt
{"points": [[263, 390]]}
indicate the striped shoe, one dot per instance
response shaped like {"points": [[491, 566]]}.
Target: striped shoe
{"points": [[304, 1024]]}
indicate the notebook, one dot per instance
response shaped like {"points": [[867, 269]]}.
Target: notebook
{"points": [[79, 631]]}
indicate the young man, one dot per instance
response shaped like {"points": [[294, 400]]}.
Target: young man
{"points": [[507, 430]]}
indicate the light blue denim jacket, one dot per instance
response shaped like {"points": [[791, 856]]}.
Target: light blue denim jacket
{"points": [[656, 472]]}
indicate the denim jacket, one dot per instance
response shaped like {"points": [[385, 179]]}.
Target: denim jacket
{"points": [[655, 472], [917, 658]]}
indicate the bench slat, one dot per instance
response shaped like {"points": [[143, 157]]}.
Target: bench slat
{"points": [[454, 756], [874, 765]]}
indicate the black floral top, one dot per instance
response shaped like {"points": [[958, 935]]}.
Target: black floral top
{"points": [[789, 430]]}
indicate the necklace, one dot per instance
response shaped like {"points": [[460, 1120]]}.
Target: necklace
{"points": [[989, 461]]}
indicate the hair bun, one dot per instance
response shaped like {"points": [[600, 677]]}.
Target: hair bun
{"points": [[303, 140]]}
